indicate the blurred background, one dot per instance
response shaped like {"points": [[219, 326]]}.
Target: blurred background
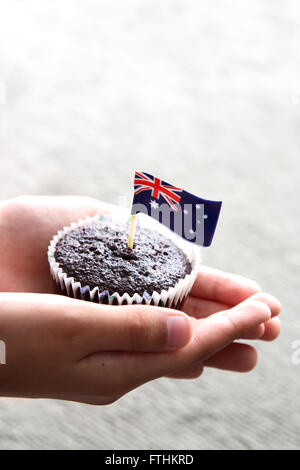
{"points": [[205, 95]]}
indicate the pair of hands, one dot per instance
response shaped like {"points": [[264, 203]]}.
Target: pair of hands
{"points": [[58, 347]]}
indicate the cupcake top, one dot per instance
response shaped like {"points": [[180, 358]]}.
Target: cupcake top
{"points": [[97, 255]]}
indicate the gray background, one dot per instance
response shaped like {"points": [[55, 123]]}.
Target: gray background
{"points": [[207, 96]]}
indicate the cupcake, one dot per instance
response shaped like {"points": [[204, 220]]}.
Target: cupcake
{"points": [[90, 260]]}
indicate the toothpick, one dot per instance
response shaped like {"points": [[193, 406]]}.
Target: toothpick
{"points": [[131, 230]]}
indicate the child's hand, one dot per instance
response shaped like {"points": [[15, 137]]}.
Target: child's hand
{"points": [[38, 366], [59, 347], [68, 349]]}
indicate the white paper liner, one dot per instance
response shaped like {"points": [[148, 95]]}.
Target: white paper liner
{"points": [[173, 297]]}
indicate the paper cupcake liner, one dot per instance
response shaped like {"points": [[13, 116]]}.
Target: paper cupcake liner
{"points": [[172, 297]]}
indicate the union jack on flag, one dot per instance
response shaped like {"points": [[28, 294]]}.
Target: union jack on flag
{"points": [[144, 182], [191, 217]]}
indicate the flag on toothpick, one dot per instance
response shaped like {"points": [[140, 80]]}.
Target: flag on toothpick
{"points": [[191, 217]]}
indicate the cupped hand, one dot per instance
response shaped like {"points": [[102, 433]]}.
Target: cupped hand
{"points": [[66, 348]]}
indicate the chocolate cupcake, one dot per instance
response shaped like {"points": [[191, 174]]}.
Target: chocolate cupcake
{"points": [[90, 260]]}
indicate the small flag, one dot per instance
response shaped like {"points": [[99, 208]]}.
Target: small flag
{"points": [[191, 217]]}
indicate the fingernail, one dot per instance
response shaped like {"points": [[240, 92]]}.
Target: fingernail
{"points": [[178, 331]]}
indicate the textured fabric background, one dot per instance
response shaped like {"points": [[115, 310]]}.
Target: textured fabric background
{"points": [[207, 95]]}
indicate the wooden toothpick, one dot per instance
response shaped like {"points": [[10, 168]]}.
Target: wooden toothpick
{"points": [[131, 230]]}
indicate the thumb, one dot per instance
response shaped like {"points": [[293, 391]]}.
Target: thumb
{"points": [[132, 328]]}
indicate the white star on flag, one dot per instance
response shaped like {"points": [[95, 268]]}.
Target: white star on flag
{"points": [[154, 204]]}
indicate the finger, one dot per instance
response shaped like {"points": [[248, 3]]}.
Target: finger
{"points": [[201, 308], [270, 300], [132, 328], [258, 331], [215, 332], [86, 327], [268, 331], [255, 333], [236, 357], [237, 317], [192, 372], [222, 287], [272, 329]]}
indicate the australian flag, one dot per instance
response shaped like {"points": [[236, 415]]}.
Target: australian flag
{"points": [[191, 217]]}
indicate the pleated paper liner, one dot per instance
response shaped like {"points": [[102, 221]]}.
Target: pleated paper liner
{"points": [[172, 297]]}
